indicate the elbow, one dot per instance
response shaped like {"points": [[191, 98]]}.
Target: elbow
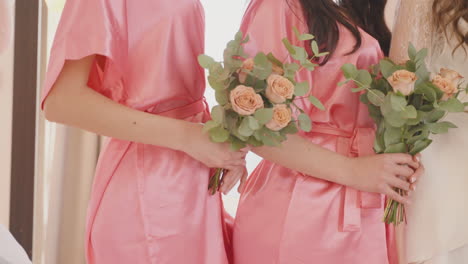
{"points": [[52, 108]]}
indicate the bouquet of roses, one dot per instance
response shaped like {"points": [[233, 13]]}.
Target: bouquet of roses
{"points": [[256, 96], [408, 104]]}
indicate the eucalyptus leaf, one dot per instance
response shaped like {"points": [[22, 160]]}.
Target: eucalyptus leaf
{"points": [[316, 102], [376, 97], [398, 102], [419, 146], [387, 68], [237, 144], [296, 32], [246, 39], [411, 51], [411, 66], [364, 77], [434, 116], [422, 73], [253, 123], [421, 55], [315, 48], [214, 83], [410, 112], [424, 134], [321, 54], [395, 119], [392, 135], [261, 60], [452, 105], [291, 128], [274, 60], [359, 89], [375, 113], [288, 46], [349, 70], [396, 148], [301, 88], [268, 137], [304, 122], [219, 134], [428, 93], [259, 85], [440, 127], [268, 140], [309, 65], [252, 141], [217, 114], [306, 36], [263, 67], [244, 128], [300, 54], [264, 115], [205, 61], [378, 146], [221, 97], [210, 125], [343, 82]]}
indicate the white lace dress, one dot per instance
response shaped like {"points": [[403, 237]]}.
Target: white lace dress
{"points": [[437, 231]]}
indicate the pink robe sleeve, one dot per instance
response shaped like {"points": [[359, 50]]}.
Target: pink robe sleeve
{"points": [[91, 27], [267, 22]]}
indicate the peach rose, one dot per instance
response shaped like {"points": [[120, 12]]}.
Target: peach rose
{"points": [[245, 101], [278, 69], [282, 115], [247, 66], [279, 89], [403, 81], [451, 75], [446, 85]]}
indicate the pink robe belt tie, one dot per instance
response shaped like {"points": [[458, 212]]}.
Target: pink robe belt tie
{"points": [[358, 143], [188, 110]]}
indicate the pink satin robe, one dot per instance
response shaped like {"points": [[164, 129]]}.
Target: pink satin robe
{"points": [[289, 218], [148, 204]]}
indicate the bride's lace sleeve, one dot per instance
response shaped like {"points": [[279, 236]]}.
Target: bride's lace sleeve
{"points": [[412, 24]]}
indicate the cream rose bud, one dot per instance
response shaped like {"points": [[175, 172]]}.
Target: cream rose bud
{"points": [[446, 86], [279, 89], [282, 115], [451, 75], [245, 101], [277, 69], [403, 81], [247, 66]]}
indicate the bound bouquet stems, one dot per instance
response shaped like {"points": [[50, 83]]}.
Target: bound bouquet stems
{"points": [[408, 105], [215, 181]]}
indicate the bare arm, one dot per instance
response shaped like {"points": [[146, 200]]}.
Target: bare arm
{"points": [[376, 173], [72, 103]]}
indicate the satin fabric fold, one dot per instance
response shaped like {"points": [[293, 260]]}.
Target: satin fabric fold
{"points": [[285, 216], [148, 204]]}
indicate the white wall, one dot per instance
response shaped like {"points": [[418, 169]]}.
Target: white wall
{"points": [[6, 100], [223, 19]]}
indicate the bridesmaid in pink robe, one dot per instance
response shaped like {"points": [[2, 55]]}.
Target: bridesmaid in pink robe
{"points": [[128, 70], [289, 217]]}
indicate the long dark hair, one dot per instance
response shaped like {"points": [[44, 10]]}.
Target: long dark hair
{"points": [[323, 17], [449, 14]]}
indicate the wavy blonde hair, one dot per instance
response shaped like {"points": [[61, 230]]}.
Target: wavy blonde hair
{"points": [[449, 14]]}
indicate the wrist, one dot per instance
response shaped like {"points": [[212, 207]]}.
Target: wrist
{"points": [[348, 170], [186, 136]]}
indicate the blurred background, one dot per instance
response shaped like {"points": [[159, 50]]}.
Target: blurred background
{"points": [[46, 170]]}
